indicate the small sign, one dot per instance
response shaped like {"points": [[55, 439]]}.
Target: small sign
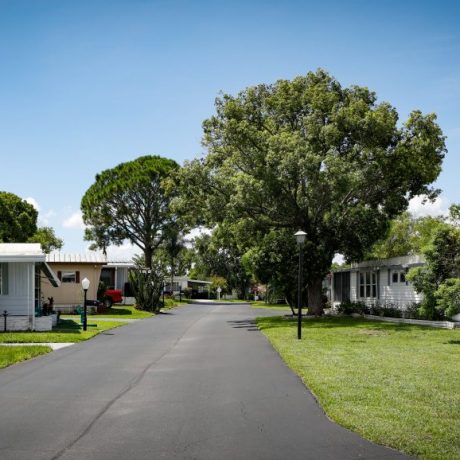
{"points": [[219, 290]]}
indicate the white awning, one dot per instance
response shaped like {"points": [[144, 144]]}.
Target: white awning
{"points": [[49, 273]]}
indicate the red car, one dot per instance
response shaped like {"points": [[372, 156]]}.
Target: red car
{"points": [[112, 296]]}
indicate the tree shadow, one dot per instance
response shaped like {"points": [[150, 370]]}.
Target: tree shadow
{"points": [[116, 311], [453, 342], [330, 322], [248, 324]]}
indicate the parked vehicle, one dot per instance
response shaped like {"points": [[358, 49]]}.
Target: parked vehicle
{"points": [[112, 296]]}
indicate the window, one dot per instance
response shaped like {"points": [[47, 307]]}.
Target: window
{"points": [[4, 279], [367, 284], [398, 277], [69, 276]]}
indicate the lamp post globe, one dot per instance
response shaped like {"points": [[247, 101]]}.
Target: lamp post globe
{"points": [[300, 238], [85, 286]]}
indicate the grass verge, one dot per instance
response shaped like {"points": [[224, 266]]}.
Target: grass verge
{"points": [[124, 312], [269, 306], [396, 385], [13, 354], [68, 330]]}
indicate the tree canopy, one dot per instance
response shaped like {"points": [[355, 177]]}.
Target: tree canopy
{"points": [[221, 254], [47, 239], [310, 154], [406, 235], [18, 219], [131, 202], [436, 278], [18, 224]]}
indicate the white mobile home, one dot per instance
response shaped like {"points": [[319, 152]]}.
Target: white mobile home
{"points": [[376, 281], [22, 266]]}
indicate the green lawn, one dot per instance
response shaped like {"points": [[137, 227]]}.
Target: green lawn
{"points": [[125, 312], [396, 385], [13, 354], [172, 303], [270, 306], [68, 330]]}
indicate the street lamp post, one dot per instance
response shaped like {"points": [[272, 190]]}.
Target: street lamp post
{"points": [[85, 285], [300, 238]]}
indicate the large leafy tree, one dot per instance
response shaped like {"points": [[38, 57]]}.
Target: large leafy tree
{"points": [[131, 202], [406, 235], [18, 224], [442, 265], [221, 254], [310, 154], [47, 239], [173, 254], [274, 261], [18, 219]]}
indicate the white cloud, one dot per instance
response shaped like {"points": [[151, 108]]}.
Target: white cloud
{"points": [[74, 221], [419, 209], [44, 219], [33, 202]]}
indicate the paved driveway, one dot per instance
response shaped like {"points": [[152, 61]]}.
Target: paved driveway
{"points": [[198, 383]]}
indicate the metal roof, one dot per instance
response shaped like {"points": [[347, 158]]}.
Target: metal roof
{"points": [[25, 252], [87, 258]]}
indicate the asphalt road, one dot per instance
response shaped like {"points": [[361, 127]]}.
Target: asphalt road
{"points": [[198, 383]]}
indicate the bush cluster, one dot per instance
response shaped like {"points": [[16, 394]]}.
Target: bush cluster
{"points": [[389, 310]]}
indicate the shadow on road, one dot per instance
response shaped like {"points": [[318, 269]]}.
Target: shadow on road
{"points": [[248, 324]]}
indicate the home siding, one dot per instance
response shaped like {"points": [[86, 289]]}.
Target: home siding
{"points": [[354, 287], [21, 282], [71, 294], [400, 294]]}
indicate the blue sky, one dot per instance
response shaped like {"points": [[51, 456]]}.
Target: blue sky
{"points": [[85, 85]]}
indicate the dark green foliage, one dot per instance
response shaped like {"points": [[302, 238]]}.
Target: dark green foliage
{"points": [[18, 224], [406, 235], [131, 201], [147, 288], [222, 254], [18, 219], [47, 239], [448, 297], [442, 262], [348, 308], [309, 154], [275, 260]]}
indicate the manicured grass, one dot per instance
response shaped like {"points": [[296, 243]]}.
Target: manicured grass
{"points": [[171, 303], [13, 354], [68, 330], [270, 306], [396, 385], [125, 312]]}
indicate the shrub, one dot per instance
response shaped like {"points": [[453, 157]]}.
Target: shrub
{"points": [[448, 297], [348, 308], [391, 311], [412, 311], [147, 288]]}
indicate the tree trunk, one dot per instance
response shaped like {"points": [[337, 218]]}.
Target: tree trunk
{"points": [[290, 301], [172, 277], [148, 255], [315, 297]]}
